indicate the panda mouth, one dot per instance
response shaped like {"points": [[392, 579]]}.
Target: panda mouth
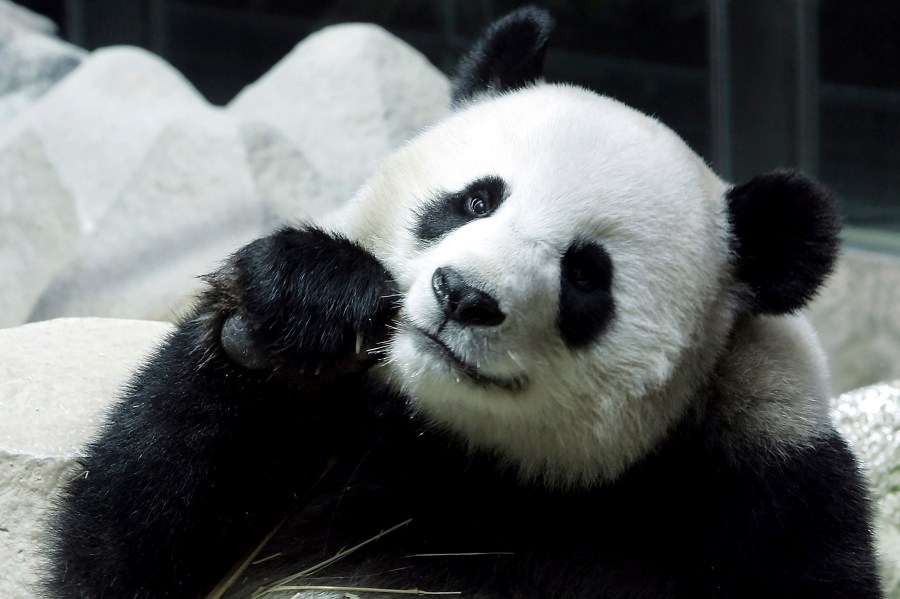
{"points": [[468, 370]]}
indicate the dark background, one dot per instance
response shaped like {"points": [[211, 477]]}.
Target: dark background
{"points": [[751, 84]]}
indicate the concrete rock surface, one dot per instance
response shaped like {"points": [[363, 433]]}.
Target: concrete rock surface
{"points": [[858, 321], [165, 186], [869, 418], [38, 226], [189, 204], [32, 60], [98, 123], [57, 379], [345, 97], [22, 18], [288, 185]]}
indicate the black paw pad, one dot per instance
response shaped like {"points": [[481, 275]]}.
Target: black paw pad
{"points": [[242, 346]]}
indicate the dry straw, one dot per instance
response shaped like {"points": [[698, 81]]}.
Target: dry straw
{"points": [[284, 585]]}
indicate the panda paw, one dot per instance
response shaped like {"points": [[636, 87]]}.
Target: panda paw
{"points": [[303, 304]]}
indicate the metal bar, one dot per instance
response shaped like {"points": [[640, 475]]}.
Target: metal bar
{"points": [[806, 33], [156, 30], [75, 33], [719, 82]]}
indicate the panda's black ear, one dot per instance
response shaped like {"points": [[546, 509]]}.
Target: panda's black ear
{"points": [[509, 55], [785, 230]]}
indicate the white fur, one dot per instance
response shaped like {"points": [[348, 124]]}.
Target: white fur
{"points": [[773, 385], [578, 167]]}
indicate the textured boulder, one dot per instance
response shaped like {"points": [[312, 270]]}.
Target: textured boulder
{"points": [[98, 123], [38, 226], [165, 185], [345, 97], [857, 319], [67, 159], [290, 188], [22, 18], [32, 60], [190, 202], [869, 418], [56, 380]]}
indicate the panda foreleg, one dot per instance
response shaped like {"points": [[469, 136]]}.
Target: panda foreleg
{"points": [[208, 449]]}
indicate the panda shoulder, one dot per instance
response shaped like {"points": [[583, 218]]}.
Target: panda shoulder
{"points": [[771, 388]]}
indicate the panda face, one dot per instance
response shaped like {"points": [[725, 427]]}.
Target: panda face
{"points": [[564, 264]]}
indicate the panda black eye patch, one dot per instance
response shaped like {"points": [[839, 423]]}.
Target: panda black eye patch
{"points": [[585, 293], [451, 210]]}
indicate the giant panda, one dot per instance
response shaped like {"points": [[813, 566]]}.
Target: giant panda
{"points": [[545, 352]]}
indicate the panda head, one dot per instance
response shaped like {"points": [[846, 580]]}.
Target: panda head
{"points": [[571, 271]]}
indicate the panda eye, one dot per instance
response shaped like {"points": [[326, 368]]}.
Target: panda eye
{"points": [[451, 210], [477, 206]]}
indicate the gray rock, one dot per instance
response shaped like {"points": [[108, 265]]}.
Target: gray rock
{"points": [[288, 185], [32, 62], [56, 380], [97, 123], [869, 418], [858, 319], [22, 18], [38, 227], [165, 186], [345, 97], [190, 202]]}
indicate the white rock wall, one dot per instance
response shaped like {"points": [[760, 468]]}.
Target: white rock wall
{"points": [[31, 59], [38, 226], [857, 316], [345, 97], [22, 18], [121, 184], [57, 379], [97, 122]]}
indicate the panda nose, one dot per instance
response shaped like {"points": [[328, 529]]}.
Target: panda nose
{"points": [[462, 302]]}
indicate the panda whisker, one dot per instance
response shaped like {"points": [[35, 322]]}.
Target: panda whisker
{"points": [[516, 360]]}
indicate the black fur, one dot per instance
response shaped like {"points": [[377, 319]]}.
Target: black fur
{"points": [[508, 56], [688, 522], [586, 303], [786, 231], [291, 293], [202, 456], [451, 210]]}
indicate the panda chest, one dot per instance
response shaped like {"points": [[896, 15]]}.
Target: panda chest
{"points": [[467, 519]]}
